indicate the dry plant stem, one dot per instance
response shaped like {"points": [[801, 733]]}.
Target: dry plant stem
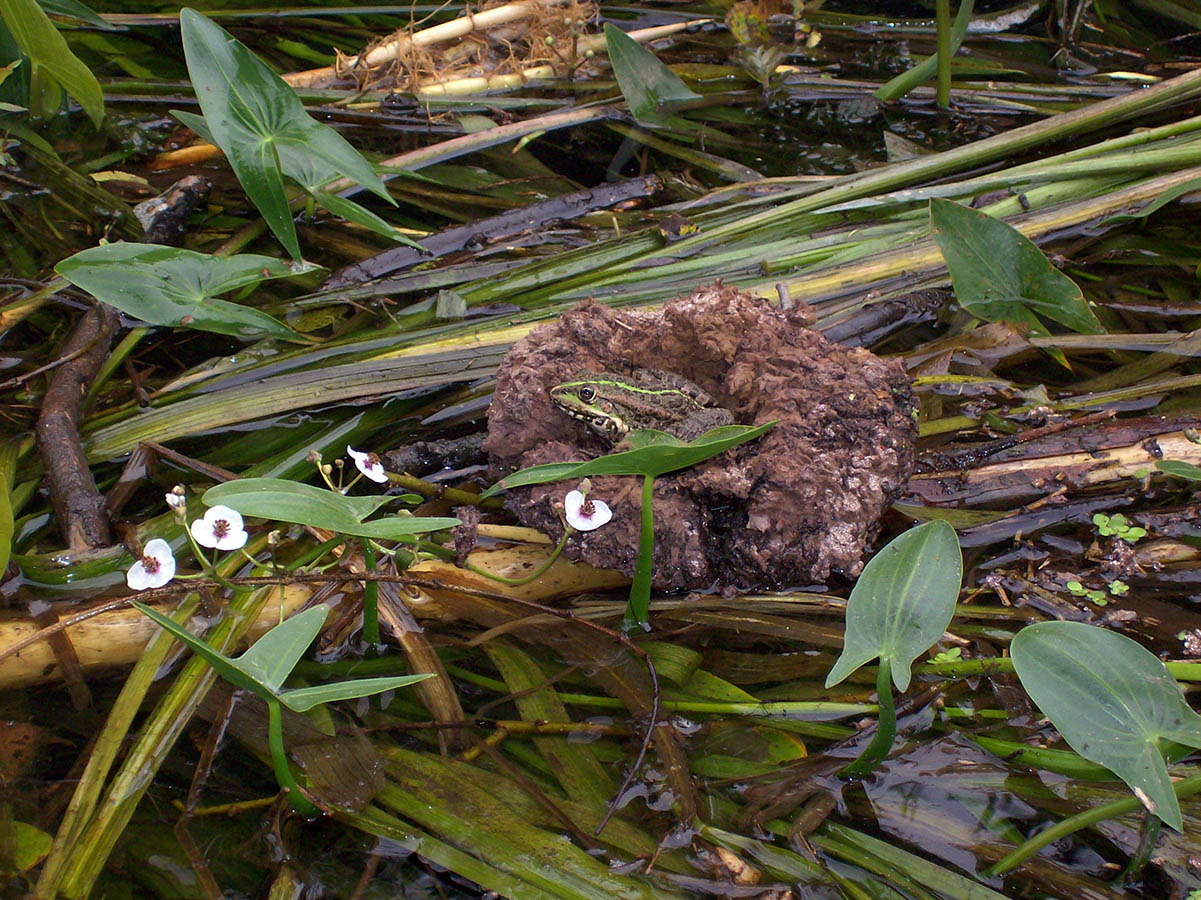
{"points": [[458, 87], [113, 634], [17, 311], [426, 37], [198, 153], [436, 694], [1041, 475], [78, 506], [924, 255]]}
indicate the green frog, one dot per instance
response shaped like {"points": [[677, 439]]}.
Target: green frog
{"points": [[614, 405]]}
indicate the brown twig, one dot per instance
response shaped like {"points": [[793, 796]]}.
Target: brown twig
{"points": [[78, 506]]}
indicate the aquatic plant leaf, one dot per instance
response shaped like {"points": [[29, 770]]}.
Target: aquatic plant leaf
{"points": [[8, 463], [73, 9], [312, 174], [172, 286], [269, 661], [1179, 468], [1001, 276], [276, 653], [221, 663], [290, 501], [27, 845], [304, 699], [651, 89], [1113, 701], [260, 124], [654, 453], [49, 54], [902, 603]]}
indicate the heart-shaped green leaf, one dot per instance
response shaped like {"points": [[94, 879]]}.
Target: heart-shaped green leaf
{"points": [[312, 174], [651, 89], [172, 286], [1001, 276], [290, 501], [1112, 700], [903, 602], [654, 453], [260, 124]]}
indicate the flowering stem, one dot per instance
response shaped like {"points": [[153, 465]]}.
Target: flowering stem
{"points": [[210, 568], [640, 589], [370, 599], [279, 760], [886, 726]]}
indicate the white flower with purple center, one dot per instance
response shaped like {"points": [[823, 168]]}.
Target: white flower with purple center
{"points": [[584, 514], [154, 569], [221, 528], [369, 465]]}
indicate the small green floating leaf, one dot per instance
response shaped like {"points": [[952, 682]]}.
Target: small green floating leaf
{"points": [[1001, 276], [651, 89], [902, 603], [1112, 700], [1179, 469], [27, 845], [172, 286], [261, 126], [289, 501]]}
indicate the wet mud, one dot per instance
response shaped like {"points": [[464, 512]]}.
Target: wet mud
{"points": [[800, 503]]}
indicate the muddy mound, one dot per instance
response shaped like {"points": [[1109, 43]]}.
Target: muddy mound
{"points": [[802, 501]]}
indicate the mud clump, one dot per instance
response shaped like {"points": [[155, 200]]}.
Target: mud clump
{"points": [[799, 503]]}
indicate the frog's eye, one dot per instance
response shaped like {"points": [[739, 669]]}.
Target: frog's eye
{"points": [[587, 394]]}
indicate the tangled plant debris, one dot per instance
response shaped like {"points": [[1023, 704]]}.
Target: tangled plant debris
{"points": [[803, 501]]}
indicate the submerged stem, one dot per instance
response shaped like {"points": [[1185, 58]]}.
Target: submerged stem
{"points": [[943, 92], [279, 760], [886, 726], [1148, 836], [370, 599], [1184, 788], [640, 588]]}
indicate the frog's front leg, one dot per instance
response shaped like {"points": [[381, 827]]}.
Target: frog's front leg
{"points": [[701, 421]]}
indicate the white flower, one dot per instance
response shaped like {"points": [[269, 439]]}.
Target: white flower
{"points": [[584, 514], [154, 569], [221, 527], [177, 501], [368, 464]]}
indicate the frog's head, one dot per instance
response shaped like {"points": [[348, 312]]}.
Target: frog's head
{"points": [[591, 399]]}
